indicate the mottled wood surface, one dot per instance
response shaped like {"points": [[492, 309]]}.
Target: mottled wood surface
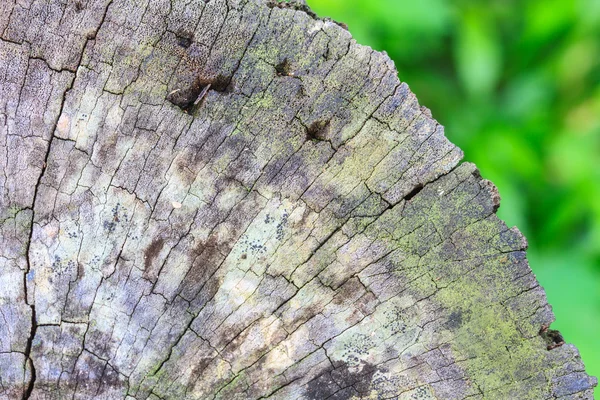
{"points": [[228, 199]]}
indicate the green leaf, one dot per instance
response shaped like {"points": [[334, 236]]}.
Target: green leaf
{"points": [[477, 53]]}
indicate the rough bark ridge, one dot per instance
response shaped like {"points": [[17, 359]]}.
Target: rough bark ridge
{"points": [[222, 199]]}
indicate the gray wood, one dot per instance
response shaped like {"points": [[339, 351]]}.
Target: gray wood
{"points": [[232, 199]]}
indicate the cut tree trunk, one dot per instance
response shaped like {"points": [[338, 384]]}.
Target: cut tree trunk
{"points": [[232, 199]]}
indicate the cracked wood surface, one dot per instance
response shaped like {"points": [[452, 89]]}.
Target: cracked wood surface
{"points": [[232, 199]]}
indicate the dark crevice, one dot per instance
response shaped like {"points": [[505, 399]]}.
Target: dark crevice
{"points": [[34, 324], [26, 274], [553, 338], [53, 69], [420, 186], [92, 35], [388, 205], [318, 130], [184, 40], [220, 83], [79, 6], [31, 384], [29, 360], [414, 192], [5, 40], [284, 68], [172, 347], [189, 98]]}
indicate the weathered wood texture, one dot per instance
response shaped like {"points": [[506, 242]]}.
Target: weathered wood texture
{"points": [[301, 228]]}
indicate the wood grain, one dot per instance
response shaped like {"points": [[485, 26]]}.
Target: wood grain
{"points": [[232, 199]]}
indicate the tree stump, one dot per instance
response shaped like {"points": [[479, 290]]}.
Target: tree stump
{"points": [[232, 199]]}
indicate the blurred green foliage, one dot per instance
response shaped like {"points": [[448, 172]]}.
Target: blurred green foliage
{"points": [[517, 85]]}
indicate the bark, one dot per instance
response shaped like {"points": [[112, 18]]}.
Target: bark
{"points": [[232, 199]]}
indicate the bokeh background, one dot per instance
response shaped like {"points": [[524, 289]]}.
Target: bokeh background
{"points": [[516, 83]]}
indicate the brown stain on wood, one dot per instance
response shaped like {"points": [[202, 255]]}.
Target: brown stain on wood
{"points": [[152, 252]]}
